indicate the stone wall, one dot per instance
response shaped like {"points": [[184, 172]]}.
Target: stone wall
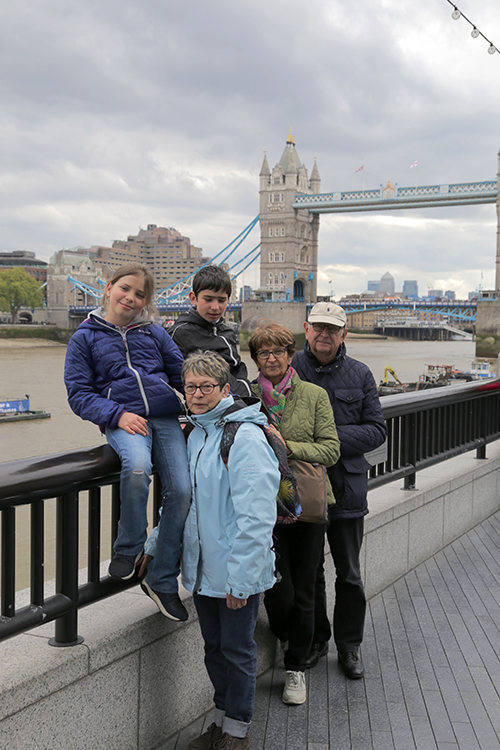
{"points": [[290, 314]]}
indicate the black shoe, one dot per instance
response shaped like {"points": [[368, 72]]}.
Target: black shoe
{"points": [[351, 664], [318, 649], [123, 566], [169, 605]]}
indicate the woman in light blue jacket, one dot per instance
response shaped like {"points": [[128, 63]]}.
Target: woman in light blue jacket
{"points": [[227, 557]]}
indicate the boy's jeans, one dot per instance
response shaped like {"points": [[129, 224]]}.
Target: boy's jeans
{"points": [[167, 446]]}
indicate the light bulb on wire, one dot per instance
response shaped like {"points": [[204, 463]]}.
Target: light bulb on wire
{"points": [[457, 14]]}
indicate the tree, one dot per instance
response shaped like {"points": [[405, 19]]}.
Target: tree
{"points": [[17, 290]]}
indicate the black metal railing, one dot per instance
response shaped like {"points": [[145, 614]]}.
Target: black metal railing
{"points": [[424, 429], [63, 476], [432, 426]]}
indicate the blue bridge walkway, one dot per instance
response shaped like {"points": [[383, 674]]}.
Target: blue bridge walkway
{"points": [[432, 659]]}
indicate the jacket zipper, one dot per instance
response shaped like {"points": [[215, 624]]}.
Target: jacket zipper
{"points": [[139, 381]]}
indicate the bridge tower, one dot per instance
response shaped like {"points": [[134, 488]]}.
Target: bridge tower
{"points": [[289, 236]]}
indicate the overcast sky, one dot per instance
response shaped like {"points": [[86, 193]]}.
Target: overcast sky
{"points": [[119, 113]]}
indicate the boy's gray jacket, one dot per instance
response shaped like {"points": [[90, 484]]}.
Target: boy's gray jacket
{"points": [[228, 534], [191, 332]]}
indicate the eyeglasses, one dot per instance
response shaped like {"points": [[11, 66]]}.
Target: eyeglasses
{"points": [[277, 353], [206, 388], [331, 330]]}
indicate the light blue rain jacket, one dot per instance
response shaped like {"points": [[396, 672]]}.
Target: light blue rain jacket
{"points": [[227, 540]]}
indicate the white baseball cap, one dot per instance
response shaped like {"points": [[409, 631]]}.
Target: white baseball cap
{"points": [[328, 312]]}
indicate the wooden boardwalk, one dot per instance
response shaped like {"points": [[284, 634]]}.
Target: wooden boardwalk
{"points": [[432, 658]]}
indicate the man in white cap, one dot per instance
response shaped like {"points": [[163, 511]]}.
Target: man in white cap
{"points": [[361, 428]]}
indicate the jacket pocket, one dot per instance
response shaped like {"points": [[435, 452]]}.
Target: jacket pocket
{"points": [[349, 482]]}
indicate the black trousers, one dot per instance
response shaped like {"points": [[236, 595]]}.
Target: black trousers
{"points": [[290, 603], [345, 537]]}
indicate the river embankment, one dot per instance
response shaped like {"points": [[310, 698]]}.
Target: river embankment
{"points": [[34, 333]]}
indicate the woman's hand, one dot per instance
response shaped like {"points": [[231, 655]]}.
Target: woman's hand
{"points": [[234, 603], [133, 423]]}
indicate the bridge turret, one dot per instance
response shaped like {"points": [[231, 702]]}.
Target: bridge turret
{"points": [[265, 172], [315, 183]]}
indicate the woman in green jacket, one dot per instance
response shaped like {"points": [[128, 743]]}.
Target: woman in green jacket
{"points": [[302, 413]]}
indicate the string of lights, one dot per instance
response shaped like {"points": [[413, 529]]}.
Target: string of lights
{"points": [[457, 14]]}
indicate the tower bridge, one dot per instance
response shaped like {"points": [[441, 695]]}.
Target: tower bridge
{"points": [[291, 203]]}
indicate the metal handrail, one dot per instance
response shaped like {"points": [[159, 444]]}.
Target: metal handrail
{"points": [[424, 428], [63, 476]]}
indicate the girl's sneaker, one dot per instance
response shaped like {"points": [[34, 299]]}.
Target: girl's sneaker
{"points": [[123, 566]]}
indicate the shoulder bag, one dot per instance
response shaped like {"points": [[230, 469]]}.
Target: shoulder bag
{"points": [[311, 490]]}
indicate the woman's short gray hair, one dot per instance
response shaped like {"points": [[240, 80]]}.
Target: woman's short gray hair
{"points": [[208, 364]]}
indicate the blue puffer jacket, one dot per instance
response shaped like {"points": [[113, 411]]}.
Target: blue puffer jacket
{"points": [[109, 370], [228, 533], [359, 420]]}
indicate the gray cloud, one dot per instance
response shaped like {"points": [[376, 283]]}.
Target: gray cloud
{"points": [[117, 114]]}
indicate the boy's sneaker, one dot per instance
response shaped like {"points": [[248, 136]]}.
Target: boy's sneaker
{"points": [[294, 692], [207, 740], [169, 605], [228, 742], [123, 566]]}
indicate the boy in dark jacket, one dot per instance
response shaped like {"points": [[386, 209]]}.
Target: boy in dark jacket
{"points": [[203, 326]]}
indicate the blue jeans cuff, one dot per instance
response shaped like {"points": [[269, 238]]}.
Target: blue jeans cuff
{"points": [[218, 716], [235, 728]]}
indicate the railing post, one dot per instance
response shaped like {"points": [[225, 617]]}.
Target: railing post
{"points": [[67, 569], [411, 479], [8, 581], [37, 552], [94, 534]]}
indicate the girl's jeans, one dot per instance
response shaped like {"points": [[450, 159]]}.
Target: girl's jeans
{"points": [[166, 444]]}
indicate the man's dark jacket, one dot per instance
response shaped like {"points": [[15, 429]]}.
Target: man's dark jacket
{"points": [[191, 332], [360, 424]]}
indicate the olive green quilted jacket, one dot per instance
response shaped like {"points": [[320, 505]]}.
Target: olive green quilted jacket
{"points": [[308, 426]]}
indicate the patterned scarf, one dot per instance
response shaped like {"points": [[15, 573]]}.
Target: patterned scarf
{"points": [[274, 396]]}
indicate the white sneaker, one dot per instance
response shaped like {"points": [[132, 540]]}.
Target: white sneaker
{"points": [[294, 692]]}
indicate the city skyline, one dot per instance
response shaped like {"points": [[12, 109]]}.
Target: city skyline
{"points": [[124, 116]]}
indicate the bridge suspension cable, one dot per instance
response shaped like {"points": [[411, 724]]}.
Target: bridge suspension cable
{"points": [[181, 288]]}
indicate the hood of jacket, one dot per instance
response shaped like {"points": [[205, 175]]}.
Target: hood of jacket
{"points": [[97, 317], [230, 409], [193, 316]]}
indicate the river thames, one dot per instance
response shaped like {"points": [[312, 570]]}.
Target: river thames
{"points": [[36, 368]]}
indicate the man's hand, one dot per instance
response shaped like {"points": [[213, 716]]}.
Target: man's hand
{"points": [[234, 603], [133, 424]]}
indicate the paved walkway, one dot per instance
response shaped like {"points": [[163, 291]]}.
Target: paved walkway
{"points": [[432, 658]]}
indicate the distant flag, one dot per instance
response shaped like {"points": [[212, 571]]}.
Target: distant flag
{"points": [[415, 164], [360, 169]]}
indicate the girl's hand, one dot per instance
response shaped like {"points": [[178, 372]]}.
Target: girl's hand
{"points": [[234, 603], [133, 424]]}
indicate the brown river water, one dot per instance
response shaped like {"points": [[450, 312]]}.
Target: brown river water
{"points": [[36, 368]]}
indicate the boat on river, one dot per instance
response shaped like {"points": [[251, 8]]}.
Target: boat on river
{"points": [[434, 376], [18, 409]]}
